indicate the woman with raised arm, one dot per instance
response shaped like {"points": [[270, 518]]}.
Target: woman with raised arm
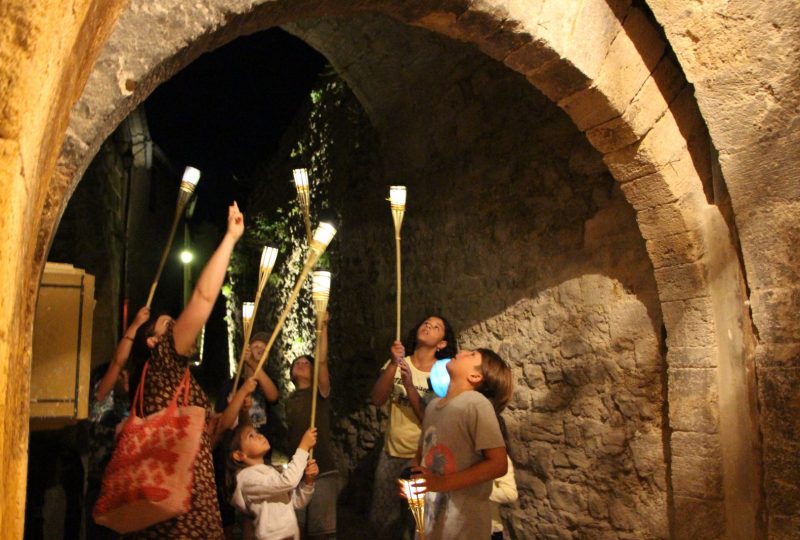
{"points": [[170, 343]]}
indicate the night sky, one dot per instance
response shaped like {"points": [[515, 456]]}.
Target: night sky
{"points": [[226, 112]]}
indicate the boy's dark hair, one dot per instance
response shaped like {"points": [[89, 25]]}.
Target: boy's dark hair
{"points": [[306, 356], [263, 337], [448, 351], [497, 384]]}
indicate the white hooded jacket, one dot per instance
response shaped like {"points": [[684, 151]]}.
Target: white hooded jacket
{"points": [[272, 494]]}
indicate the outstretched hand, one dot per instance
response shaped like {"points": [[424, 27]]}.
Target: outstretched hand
{"points": [[235, 221], [141, 316]]}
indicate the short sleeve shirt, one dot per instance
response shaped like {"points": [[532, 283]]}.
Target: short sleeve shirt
{"points": [[402, 437], [454, 435]]}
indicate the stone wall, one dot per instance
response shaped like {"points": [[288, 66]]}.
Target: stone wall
{"points": [[741, 58], [91, 236], [537, 256]]}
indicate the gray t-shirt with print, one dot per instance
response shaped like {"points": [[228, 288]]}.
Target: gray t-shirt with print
{"points": [[454, 434]]}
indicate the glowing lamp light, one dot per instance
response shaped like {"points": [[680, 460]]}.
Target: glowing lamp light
{"points": [[300, 178], [440, 378], [190, 178], [187, 256], [268, 257], [397, 195], [323, 236], [414, 492], [188, 182], [248, 309], [320, 283]]}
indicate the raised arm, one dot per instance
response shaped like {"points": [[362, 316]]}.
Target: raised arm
{"points": [[264, 483], [205, 293], [383, 386], [228, 417], [121, 355], [268, 387], [414, 399], [324, 374]]}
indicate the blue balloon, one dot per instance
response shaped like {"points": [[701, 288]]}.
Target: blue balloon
{"points": [[440, 378]]}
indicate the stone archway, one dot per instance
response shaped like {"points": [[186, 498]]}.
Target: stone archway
{"points": [[633, 104]]}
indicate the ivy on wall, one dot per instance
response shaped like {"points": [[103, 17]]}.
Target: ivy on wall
{"points": [[275, 219]]}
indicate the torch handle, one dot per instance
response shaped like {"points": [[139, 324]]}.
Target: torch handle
{"points": [[262, 281], [399, 284], [315, 380], [313, 257], [167, 248], [307, 220]]}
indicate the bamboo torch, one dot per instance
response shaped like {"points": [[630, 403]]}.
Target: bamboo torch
{"points": [[416, 499], [320, 293], [268, 256], [319, 243], [397, 199], [303, 198], [190, 178]]}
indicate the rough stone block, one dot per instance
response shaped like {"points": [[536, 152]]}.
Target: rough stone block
{"points": [[695, 444], [679, 248], [589, 107], [557, 79], [689, 323], [686, 214], [783, 527], [697, 477], [780, 404], [699, 519], [773, 261], [599, 20], [691, 357], [777, 320], [693, 400], [554, 23], [628, 321], [631, 58], [488, 27], [531, 56], [647, 451], [682, 282], [778, 355], [567, 497], [663, 144], [664, 186], [782, 480], [646, 108]]}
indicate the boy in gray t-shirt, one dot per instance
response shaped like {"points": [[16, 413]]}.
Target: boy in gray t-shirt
{"points": [[461, 448]]}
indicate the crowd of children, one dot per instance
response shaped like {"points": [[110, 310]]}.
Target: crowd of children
{"points": [[454, 443]]}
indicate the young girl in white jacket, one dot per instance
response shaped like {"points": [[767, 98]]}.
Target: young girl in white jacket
{"points": [[271, 494]]}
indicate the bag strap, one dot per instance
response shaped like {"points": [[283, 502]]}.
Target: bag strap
{"points": [[138, 398], [185, 385]]}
